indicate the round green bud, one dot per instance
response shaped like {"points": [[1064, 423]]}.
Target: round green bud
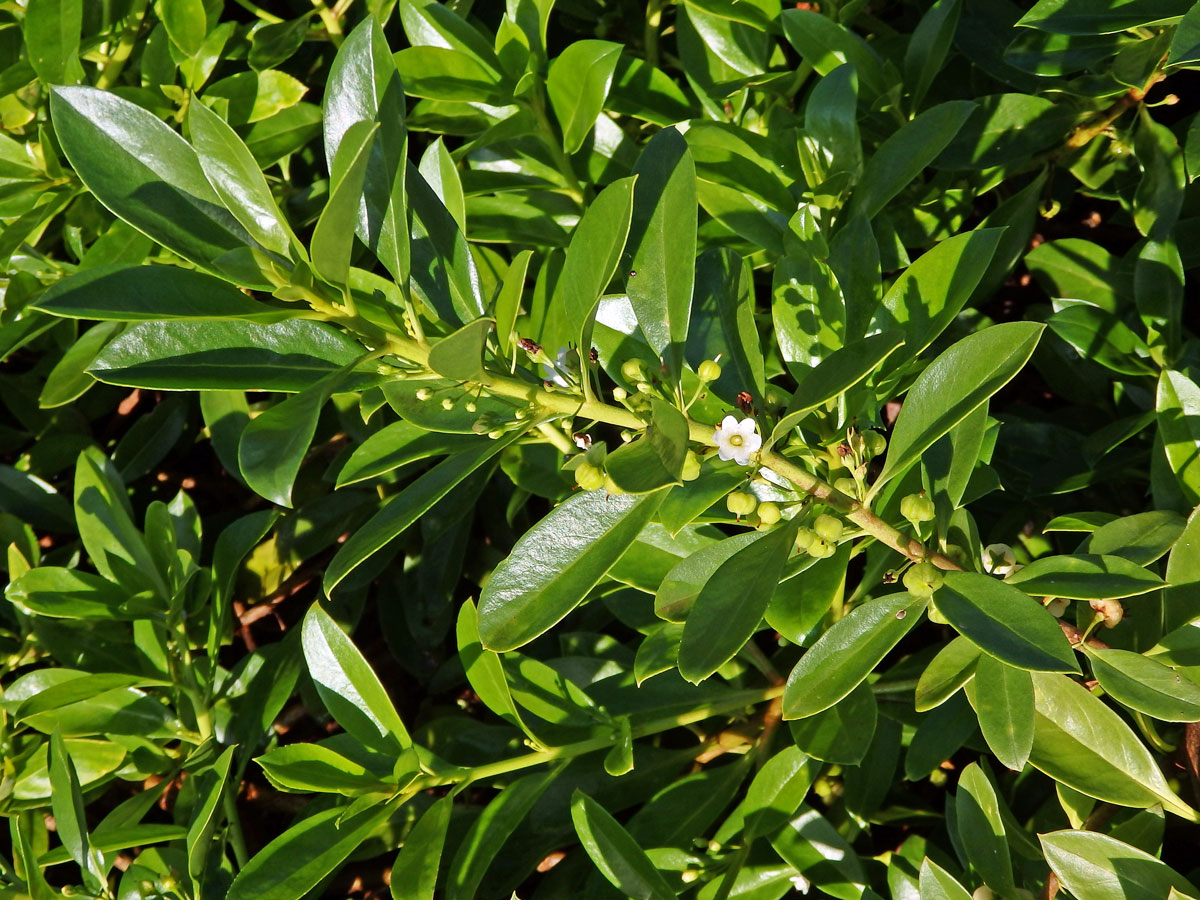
{"points": [[710, 370], [741, 504], [447, 403], [633, 370], [821, 548], [424, 393], [472, 406], [828, 527], [691, 466], [768, 513], [847, 486], [589, 477], [804, 539], [923, 579], [645, 387], [619, 394], [917, 508], [874, 442]]}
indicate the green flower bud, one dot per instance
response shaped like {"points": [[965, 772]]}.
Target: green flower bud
{"points": [[589, 477], [874, 442], [619, 394], [847, 486], [828, 527], [768, 513], [923, 579], [804, 539], [447, 403], [691, 466], [741, 504], [917, 508], [472, 406], [821, 548], [710, 370], [424, 393], [633, 370]]}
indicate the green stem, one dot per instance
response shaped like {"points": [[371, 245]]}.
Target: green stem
{"points": [[573, 405], [329, 18], [654, 11], [738, 701], [554, 145], [237, 840], [267, 17], [110, 71]]}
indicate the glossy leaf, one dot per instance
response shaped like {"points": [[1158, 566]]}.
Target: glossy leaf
{"points": [[555, 564], [981, 830], [348, 686], [655, 459], [577, 84], [1004, 622], [1146, 685], [954, 385], [1004, 702], [415, 871], [847, 653], [615, 853], [1084, 577], [1094, 866]]}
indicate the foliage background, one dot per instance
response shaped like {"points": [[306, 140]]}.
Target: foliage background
{"points": [[889, 199]]}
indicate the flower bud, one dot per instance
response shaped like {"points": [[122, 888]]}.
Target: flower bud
{"points": [[923, 579], [589, 477], [472, 406], [804, 539], [741, 504], [874, 442], [768, 513], [619, 394], [821, 548], [447, 403], [424, 393], [633, 370], [645, 387], [691, 466], [1057, 606], [710, 370], [828, 527], [917, 508], [847, 486], [1112, 611]]}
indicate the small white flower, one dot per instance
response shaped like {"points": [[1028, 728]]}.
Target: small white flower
{"points": [[737, 440], [555, 372], [999, 559]]}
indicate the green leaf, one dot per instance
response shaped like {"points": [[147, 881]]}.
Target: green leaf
{"points": [[662, 244], [956, 383], [981, 831], [1075, 269], [273, 443], [1008, 129], [51, 30], [1141, 538], [826, 45], [800, 603], [1100, 16], [1100, 336], [926, 51], [459, 356], [931, 292], [211, 785], [33, 500], [300, 858], [145, 174], [681, 585], [848, 652], [438, 73], [415, 871], [1185, 47], [615, 853], [1159, 197], [397, 445], [333, 236], [656, 458], [1003, 700], [348, 686], [813, 847], [730, 606], [224, 355], [66, 801], [901, 157], [1144, 684], [1079, 741], [1178, 409], [364, 86], [1181, 601], [937, 883], [313, 767], [807, 310], [593, 256], [1004, 622], [255, 96], [186, 23], [235, 176], [508, 300], [440, 172], [1084, 577], [1094, 866], [841, 734], [577, 84], [69, 594], [150, 293], [777, 791], [483, 668], [490, 831], [722, 321], [406, 507], [834, 375], [555, 564], [444, 275]]}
